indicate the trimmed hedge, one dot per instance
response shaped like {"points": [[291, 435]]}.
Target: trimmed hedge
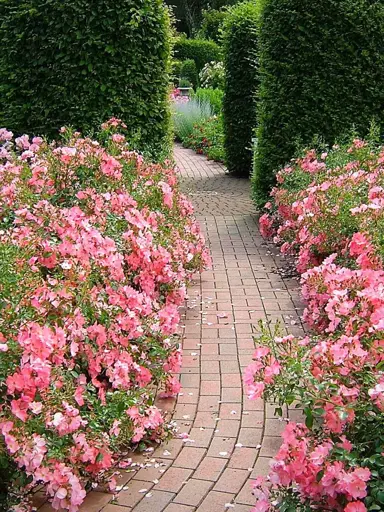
{"points": [[200, 50], [322, 69], [188, 71], [72, 63], [241, 84]]}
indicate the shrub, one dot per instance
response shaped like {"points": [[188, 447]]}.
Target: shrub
{"points": [[65, 65], [212, 96], [321, 73], [207, 139], [188, 72], [96, 249], [187, 114], [200, 50], [212, 25], [212, 75], [241, 83], [175, 71], [328, 209]]}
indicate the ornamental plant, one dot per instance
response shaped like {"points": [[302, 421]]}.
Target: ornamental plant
{"points": [[188, 73], [212, 75], [207, 138], [241, 62], [320, 69], [71, 64], [328, 210], [187, 114], [96, 249], [212, 96]]}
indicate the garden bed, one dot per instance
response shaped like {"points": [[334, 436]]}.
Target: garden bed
{"points": [[96, 249], [328, 210]]}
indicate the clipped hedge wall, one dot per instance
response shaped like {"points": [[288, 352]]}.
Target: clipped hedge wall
{"points": [[72, 63], [241, 84], [200, 50], [322, 69], [188, 71]]}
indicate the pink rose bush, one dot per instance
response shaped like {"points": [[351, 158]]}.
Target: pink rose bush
{"points": [[328, 209], [96, 249]]}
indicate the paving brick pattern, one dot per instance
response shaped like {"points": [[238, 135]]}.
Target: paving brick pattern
{"points": [[231, 438]]}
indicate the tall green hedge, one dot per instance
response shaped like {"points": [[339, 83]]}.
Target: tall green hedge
{"points": [[78, 62], [241, 84], [200, 50], [322, 72]]}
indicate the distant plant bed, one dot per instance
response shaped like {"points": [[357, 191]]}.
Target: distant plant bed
{"points": [[96, 249], [208, 139], [197, 126], [212, 75], [328, 209]]}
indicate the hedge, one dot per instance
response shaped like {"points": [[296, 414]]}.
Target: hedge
{"points": [[175, 71], [200, 50], [188, 71], [241, 84], [322, 68], [67, 63]]}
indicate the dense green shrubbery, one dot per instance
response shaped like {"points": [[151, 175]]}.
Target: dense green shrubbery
{"points": [[188, 71], [212, 96], [200, 50], [241, 83], [72, 63], [212, 25], [322, 69]]}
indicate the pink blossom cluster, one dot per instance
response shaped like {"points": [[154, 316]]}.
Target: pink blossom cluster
{"points": [[328, 210], [177, 97], [101, 246]]}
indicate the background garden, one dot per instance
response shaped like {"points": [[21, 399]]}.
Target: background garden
{"points": [[98, 244]]}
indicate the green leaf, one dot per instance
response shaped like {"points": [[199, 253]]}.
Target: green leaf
{"points": [[308, 417]]}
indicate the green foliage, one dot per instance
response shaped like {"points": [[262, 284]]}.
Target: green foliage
{"points": [[241, 83], [212, 96], [190, 13], [207, 139], [187, 114], [322, 68], [176, 71], [200, 50], [188, 71], [76, 63], [212, 25], [12, 481]]}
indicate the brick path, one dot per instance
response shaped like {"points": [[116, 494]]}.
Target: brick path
{"points": [[231, 438]]}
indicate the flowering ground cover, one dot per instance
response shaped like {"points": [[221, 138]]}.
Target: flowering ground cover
{"points": [[96, 249], [328, 209]]}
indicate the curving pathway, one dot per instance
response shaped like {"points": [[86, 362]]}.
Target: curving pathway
{"points": [[231, 439]]}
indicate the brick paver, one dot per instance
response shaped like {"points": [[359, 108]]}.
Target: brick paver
{"points": [[231, 438]]}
